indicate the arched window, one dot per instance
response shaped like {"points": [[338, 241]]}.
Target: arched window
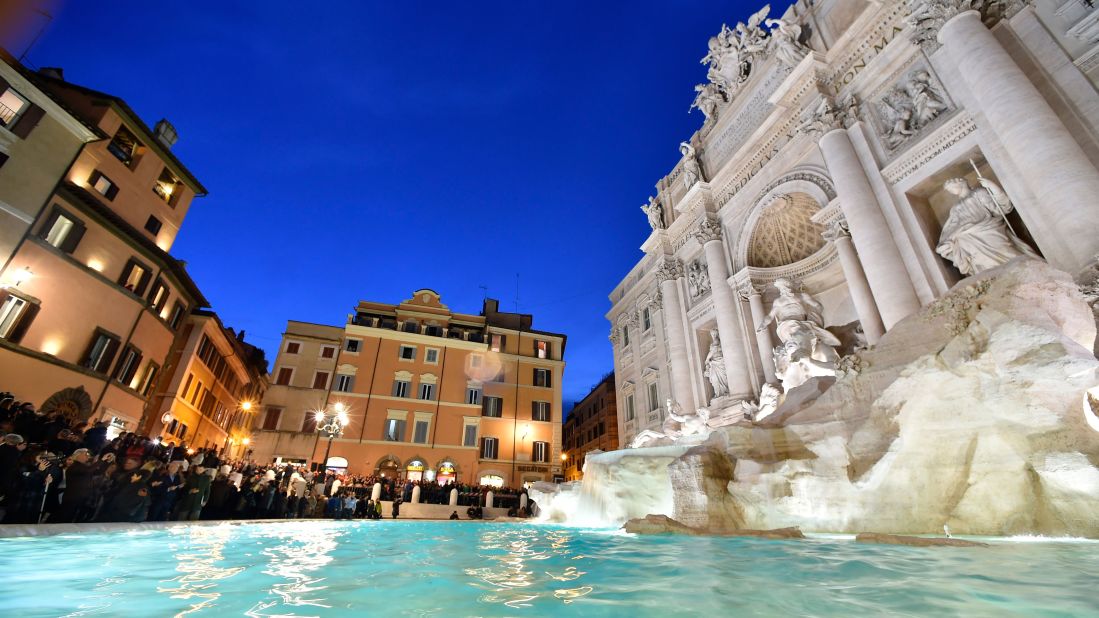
{"points": [[493, 480], [415, 470]]}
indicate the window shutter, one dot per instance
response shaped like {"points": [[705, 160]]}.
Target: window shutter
{"points": [[28, 121], [396, 385], [4, 85], [108, 356], [113, 191], [143, 282], [24, 323], [73, 237], [48, 225]]}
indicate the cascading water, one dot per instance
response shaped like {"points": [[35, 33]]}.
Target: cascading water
{"points": [[617, 486]]}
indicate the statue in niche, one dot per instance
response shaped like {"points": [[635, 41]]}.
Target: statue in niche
{"points": [[698, 280], [807, 349], [692, 171], [786, 43], [655, 212], [907, 109], [976, 235], [677, 425], [714, 367]]}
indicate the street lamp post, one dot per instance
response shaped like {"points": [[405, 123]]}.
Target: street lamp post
{"points": [[331, 424]]}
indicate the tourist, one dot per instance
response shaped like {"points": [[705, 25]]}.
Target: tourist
{"points": [[454, 515], [79, 487], [397, 507], [196, 491]]}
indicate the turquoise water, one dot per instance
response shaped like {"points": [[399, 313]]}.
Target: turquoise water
{"points": [[396, 568]]}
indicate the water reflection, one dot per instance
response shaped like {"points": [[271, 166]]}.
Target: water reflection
{"points": [[509, 577], [197, 551], [298, 560]]}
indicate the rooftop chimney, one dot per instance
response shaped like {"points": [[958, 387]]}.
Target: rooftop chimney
{"points": [[53, 72], [166, 134]]}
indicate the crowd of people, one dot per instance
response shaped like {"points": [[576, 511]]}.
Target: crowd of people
{"points": [[53, 470]]}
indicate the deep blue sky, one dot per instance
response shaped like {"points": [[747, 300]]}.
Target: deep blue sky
{"points": [[363, 150]]}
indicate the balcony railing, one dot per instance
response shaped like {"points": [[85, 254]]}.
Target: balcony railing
{"points": [[7, 115]]}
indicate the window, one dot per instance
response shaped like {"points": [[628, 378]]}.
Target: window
{"points": [[62, 230], [167, 187], [344, 383], [328, 351], [158, 297], [271, 420], [352, 346], [625, 336], [431, 355], [12, 106], [148, 381], [473, 395], [540, 411], [135, 277], [285, 373], [125, 147], [196, 393], [292, 347], [127, 365], [427, 391], [178, 310], [475, 360], [309, 423], [646, 319], [542, 377], [100, 353], [320, 380], [489, 448], [411, 326], [630, 414], [492, 406], [103, 185], [419, 432], [182, 431], [16, 315], [407, 352], [186, 386], [496, 343], [541, 349], [469, 436], [401, 388], [394, 430], [152, 226], [540, 452], [433, 331], [654, 397]]}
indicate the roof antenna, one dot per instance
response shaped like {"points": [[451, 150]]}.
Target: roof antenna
{"points": [[38, 35], [484, 292], [516, 292]]}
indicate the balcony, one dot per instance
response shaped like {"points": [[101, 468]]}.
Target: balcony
{"points": [[7, 115]]}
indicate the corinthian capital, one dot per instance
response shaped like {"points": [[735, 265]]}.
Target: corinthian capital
{"points": [[837, 229], [828, 116], [926, 17], [708, 230], [671, 270]]}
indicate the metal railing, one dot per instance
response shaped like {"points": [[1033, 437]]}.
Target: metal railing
{"points": [[7, 115]]}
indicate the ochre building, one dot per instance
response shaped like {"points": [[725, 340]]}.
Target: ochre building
{"points": [[592, 425], [428, 394]]}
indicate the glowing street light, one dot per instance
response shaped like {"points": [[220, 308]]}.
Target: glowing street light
{"points": [[331, 424]]}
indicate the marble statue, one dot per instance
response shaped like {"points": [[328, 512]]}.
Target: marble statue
{"points": [[655, 212], [785, 41], [770, 396], [976, 236], [698, 280], [678, 424], [732, 51], [907, 108], [707, 98], [714, 370], [692, 171], [806, 349]]}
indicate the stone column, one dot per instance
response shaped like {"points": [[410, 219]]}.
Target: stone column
{"points": [[668, 274], [763, 338], [726, 310], [453, 497], [1050, 162], [885, 271], [376, 492], [857, 284]]}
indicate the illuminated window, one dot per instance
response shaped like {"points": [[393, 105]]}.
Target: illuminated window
{"points": [[158, 297], [100, 353], [167, 187], [16, 314], [543, 377], [135, 277], [178, 310], [125, 147], [541, 349], [496, 343], [394, 430], [12, 106], [127, 365], [103, 185], [62, 230], [540, 452], [489, 450]]}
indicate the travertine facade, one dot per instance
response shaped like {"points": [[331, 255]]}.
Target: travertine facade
{"points": [[872, 153]]}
